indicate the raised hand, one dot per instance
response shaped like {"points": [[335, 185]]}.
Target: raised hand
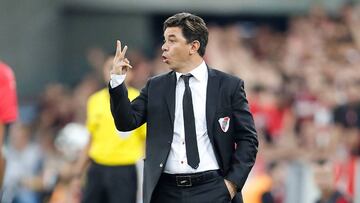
{"points": [[120, 64]]}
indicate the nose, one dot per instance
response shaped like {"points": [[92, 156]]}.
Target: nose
{"points": [[164, 47]]}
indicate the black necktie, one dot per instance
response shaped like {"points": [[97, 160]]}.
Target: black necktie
{"points": [[192, 153]]}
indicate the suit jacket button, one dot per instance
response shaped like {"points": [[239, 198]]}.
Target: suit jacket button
{"points": [[161, 165]]}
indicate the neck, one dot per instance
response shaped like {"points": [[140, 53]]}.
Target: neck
{"points": [[190, 65], [326, 194]]}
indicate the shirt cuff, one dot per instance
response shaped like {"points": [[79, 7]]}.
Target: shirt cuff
{"points": [[116, 80]]}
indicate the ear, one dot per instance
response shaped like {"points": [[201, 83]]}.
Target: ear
{"points": [[194, 47]]}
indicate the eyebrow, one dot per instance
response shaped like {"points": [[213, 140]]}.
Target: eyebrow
{"points": [[171, 35]]}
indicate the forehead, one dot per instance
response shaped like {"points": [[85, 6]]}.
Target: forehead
{"points": [[173, 31]]}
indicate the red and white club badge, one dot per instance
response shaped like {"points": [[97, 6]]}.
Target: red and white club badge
{"points": [[224, 123]]}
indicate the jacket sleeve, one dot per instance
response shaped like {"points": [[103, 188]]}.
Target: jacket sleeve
{"points": [[128, 115], [246, 140]]}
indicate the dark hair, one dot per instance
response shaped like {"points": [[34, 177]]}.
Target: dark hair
{"points": [[193, 28]]}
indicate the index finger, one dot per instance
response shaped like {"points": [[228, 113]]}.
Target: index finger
{"points": [[118, 49], [124, 51]]}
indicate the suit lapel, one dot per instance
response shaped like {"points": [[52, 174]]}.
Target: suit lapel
{"points": [[211, 101], [170, 95]]}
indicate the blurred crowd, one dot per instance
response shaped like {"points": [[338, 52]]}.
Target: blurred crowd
{"points": [[302, 85]]}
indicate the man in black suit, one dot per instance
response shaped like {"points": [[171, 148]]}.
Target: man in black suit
{"points": [[201, 141]]}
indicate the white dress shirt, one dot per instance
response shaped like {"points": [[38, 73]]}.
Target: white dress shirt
{"points": [[177, 161]]}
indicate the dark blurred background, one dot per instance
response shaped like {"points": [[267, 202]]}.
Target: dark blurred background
{"points": [[51, 38]]}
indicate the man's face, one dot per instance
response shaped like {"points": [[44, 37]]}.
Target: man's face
{"points": [[176, 51], [324, 177], [107, 68]]}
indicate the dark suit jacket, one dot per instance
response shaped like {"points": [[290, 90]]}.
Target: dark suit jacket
{"points": [[235, 149]]}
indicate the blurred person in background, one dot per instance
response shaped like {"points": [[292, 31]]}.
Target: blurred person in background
{"points": [[189, 158], [141, 69], [23, 157], [267, 187], [324, 175], [8, 108], [109, 158]]}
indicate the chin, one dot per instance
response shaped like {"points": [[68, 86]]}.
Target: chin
{"points": [[168, 64]]}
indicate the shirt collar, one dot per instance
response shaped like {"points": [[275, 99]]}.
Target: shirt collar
{"points": [[199, 73]]}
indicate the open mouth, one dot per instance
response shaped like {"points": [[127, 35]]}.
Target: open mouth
{"points": [[164, 59]]}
